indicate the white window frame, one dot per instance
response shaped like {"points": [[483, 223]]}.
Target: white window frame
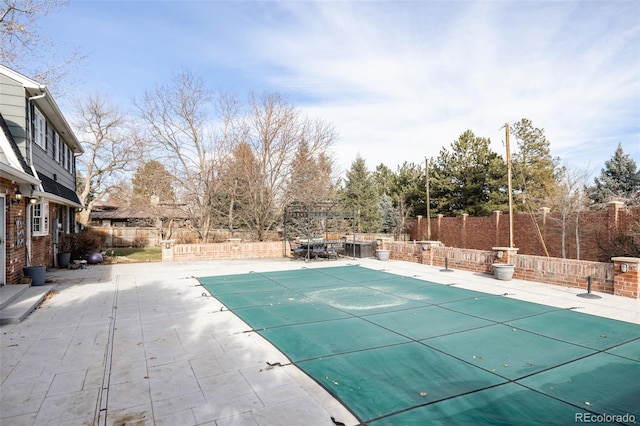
{"points": [[68, 162], [39, 129], [40, 219], [56, 146]]}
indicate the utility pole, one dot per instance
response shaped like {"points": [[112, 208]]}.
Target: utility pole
{"points": [[506, 126], [426, 168]]}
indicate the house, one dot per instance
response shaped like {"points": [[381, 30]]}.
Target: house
{"points": [[38, 150], [128, 226]]}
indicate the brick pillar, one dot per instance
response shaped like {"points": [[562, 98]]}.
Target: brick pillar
{"points": [[167, 250], [613, 216], [464, 229], [627, 283], [545, 212], [426, 257], [497, 214], [504, 254]]}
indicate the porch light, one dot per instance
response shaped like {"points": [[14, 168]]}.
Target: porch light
{"points": [[33, 200], [17, 197]]}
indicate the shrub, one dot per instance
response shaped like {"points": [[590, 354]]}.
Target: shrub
{"points": [[84, 242], [140, 241]]}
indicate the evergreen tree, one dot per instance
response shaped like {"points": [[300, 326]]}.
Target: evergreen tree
{"points": [[535, 171], [361, 195], [310, 181], [390, 217], [619, 180], [409, 189], [152, 184], [469, 179], [383, 177]]}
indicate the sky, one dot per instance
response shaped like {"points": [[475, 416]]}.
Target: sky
{"points": [[399, 80]]}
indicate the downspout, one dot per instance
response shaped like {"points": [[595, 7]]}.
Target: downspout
{"points": [[33, 169]]}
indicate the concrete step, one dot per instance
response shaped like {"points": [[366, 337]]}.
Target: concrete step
{"points": [[9, 293], [24, 304]]}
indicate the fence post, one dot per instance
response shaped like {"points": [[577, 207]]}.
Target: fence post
{"points": [[167, 250]]}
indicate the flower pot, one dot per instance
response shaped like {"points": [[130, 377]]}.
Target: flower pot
{"points": [[383, 254], [37, 274], [503, 271], [63, 260]]}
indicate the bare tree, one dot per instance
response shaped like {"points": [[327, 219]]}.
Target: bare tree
{"points": [[20, 42], [274, 130], [190, 143], [111, 147], [570, 200]]}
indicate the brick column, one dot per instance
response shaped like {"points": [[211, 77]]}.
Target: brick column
{"points": [[426, 257], [613, 216], [496, 214], [627, 283], [504, 254], [464, 230], [167, 250]]}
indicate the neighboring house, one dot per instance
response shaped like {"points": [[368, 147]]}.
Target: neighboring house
{"points": [[126, 226], [37, 175]]}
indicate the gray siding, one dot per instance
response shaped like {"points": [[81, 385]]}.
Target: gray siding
{"points": [[14, 111], [13, 108], [46, 163]]}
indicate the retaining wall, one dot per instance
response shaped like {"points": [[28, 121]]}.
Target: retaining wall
{"points": [[566, 272]]}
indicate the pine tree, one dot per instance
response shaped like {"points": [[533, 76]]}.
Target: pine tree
{"points": [[619, 180], [390, 217], [361, 195], [535, 171], [152, 184], [469, 179]]}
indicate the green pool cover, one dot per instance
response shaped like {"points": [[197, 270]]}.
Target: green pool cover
{"points": [[399, 350]]}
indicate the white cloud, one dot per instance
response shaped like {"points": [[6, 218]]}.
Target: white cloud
{"points": [[400, 84], [399, 80]]}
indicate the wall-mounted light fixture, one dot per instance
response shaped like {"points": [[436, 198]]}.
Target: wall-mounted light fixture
{"points": [[33, 200], [624, 267], [17, 197]]}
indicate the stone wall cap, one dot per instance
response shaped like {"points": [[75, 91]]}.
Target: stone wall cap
{"points": [[626, 259], [505, 248]]}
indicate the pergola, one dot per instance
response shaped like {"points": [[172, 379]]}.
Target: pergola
{"points": [[314, 220]]}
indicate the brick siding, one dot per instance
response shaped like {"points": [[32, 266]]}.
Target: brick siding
{"points": [[16, 230]]}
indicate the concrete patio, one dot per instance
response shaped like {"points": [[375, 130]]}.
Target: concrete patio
{"points": [[144, 344]]}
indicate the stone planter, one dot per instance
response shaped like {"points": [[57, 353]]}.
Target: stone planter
{"points": [[37, 274], [383, 254], [503, 271]]}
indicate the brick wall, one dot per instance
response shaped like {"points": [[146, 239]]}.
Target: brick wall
{"points": [[566, 272], [531, 232], [227, 250], [16, 236]]}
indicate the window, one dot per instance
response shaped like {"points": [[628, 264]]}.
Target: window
{"points": [[63, 154], [39, 129], [67, 158], [40, 218], [56, 146]]}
